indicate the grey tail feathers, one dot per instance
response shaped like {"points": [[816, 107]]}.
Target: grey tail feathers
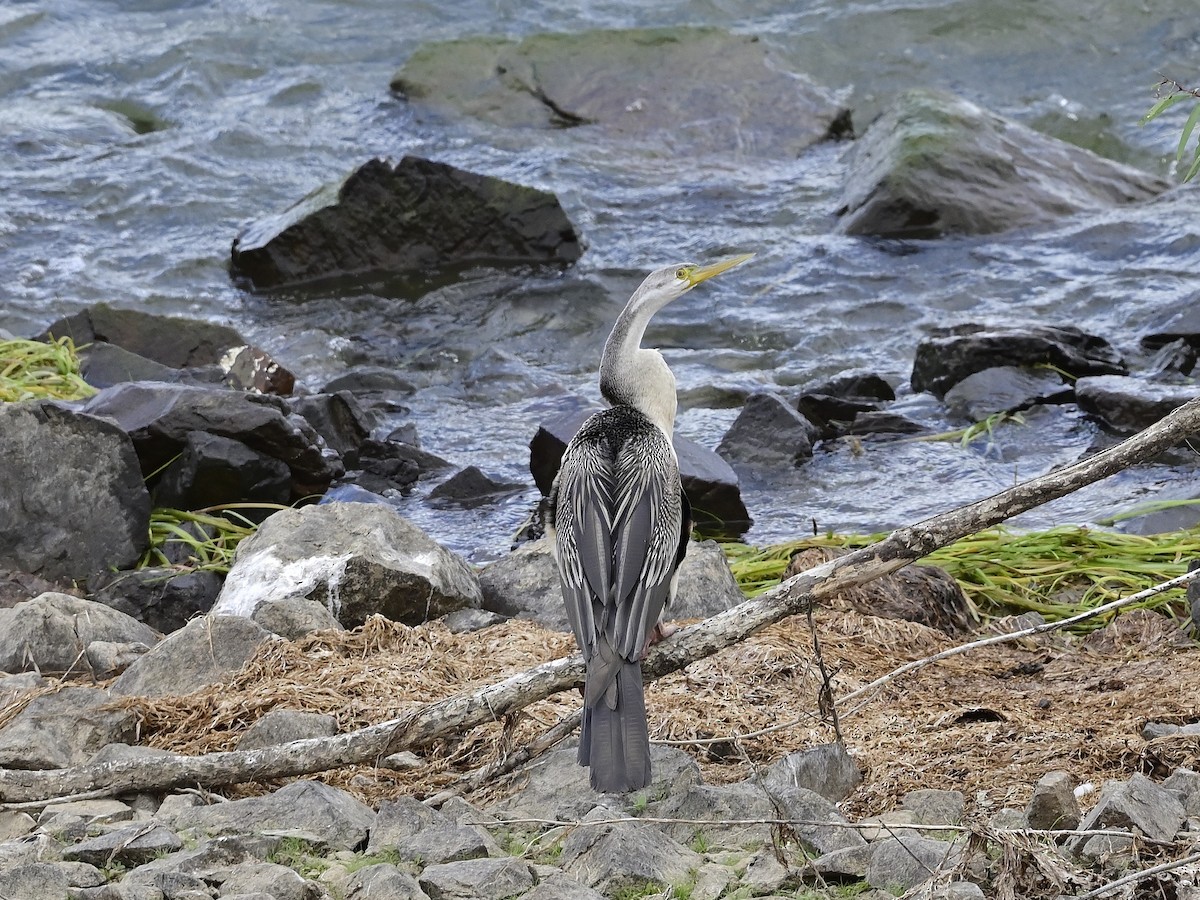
{"points": [[615, 741]]}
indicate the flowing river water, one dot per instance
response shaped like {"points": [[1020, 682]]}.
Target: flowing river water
{"points": [[138, 136]]}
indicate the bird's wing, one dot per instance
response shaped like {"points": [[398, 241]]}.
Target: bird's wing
{"points": [[583, 539]]}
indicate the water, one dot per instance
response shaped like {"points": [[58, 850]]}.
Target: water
{"points": [[139, 137]]}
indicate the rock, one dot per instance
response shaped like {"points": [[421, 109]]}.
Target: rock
{"points": [[1053, 804], [50, 633], [1178, 323], [950, 355], [196, 655], [360, 559], [623, 855], [107, 659], [1138, 803], [883, 423], [311, 808], [294, 617], [768, 435], [34, 881], [1110, 851], [72, 499], [132, 845], [15, 686], [188, 870], [957, 890], [63, 729], [465, 621], [934, 807], [17, 587], [1152, 730], [710, 482], [15, 824], [393, 465], [212, 471], [1185, 784], [1004, 389], [849, 863], [647, 87], [764, 873], [556, 885], [103, 365], [1126, 403], [704, 584], [935, 164], [268, 880], [826, 769], [719, 804], [404, 218], [476, 879], [160, 596], [339, 419], [803, 807], [833, 403], [383, 882], [470, 487], [416, 832], [282, 726], [903, 862]]}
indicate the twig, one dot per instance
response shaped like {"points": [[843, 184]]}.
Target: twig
{"points": [[1135, 877]]}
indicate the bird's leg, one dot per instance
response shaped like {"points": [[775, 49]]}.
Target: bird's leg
{"points": [[660, 632]]}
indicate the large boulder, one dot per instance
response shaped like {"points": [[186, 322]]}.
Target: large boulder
{"points": [[52, 632], [412, 216], [65, 728], [683, 91], [358, 559], [950, 355], [72, 499], [768, 436], [160, 418], [212, 470], [936, 164]]}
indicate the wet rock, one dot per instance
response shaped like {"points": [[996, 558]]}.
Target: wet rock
{"points": [[132, 845], [832, 404], [950, 355], [72, 499], [657, 86], [282, 726], [883, 423], [470, 487], [934, 807], [212, 470], [159, 596], [198, 654], [63, 729], [819, 824], [393, 465], [935, 164], [1004, 389], [1053, 804], [768, 435], [294, 617], [903, 862], [339, 419], [1179, 324], [826, 769], [1138, 803], [410, 217], [50, 633], [710, 482], [383, 882], [704, 584], [360, 559], [326, 814], [407, 827], [476, 879], [160, 417], [624, 854], [1128, 404], [717, 803]]}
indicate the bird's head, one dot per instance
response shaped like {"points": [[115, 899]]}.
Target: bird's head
{"points": [[671, 282]]}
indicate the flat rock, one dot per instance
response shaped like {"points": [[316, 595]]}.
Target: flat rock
{"points": [[476, 879], [1005, 389], [903, 862], [198, 654], [360, 559], [930, 806], [63, 729], [406, 217], [282, 726], [826, 769], [52, 632], [72, 498], [132, 845], [383, 881], [611, 857], [950, 355], [768, 435], [1128, 403], [936, 164], [657, 87], [741, 801], [34, 881], [267, 880], [407, 827]]}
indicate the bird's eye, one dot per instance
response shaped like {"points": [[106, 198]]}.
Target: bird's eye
{"points": [[681, 274]]}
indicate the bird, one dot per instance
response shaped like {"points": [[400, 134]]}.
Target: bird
{"points": [[619, 523]]}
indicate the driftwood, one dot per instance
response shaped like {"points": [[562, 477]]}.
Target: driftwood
{"points": [[459, 713]]}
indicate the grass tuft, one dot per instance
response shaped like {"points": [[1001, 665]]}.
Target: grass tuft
{"points": [[209, 537], [41, 370]]}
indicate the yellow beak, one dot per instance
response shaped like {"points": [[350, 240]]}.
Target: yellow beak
{"points": [[702, 273]]}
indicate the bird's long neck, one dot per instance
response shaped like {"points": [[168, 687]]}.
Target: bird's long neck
{"points": [[631, 375]]}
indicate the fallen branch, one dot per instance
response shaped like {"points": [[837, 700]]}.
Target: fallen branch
{"points": [[456, 714]]}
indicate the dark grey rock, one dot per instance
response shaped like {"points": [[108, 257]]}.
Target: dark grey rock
{"points": [[294, 617], [1178, 323], [159, 417], [198, 654], [383, 882], [831, 404], [826, 769], [882, 423], [64, 729], [211, 470], [768, 435], [818, 823], [1053, 804], [476, 879], [102, 365], [339, 419], [935, 164], [360, 558], [72, 499], [403, 218], [393, 465], [1128, 404], [282, 726], [34, 881], [464, 621], [471, 487], [270, 880], [903, 862], [52, 632], [132, 845], [1139, 803], [1185, 784], [610, 857], [1005, 389], [718, 803], [704, 584], [933, 807], [160, 596], [645, 87], [329, 815], [415, 832], [370, 380], [950, 355]]}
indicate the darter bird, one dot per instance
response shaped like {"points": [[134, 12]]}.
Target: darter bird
{"points": [[620, 523]]}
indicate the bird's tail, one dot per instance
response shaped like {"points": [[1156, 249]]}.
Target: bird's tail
{"points": [[614, 740]]}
